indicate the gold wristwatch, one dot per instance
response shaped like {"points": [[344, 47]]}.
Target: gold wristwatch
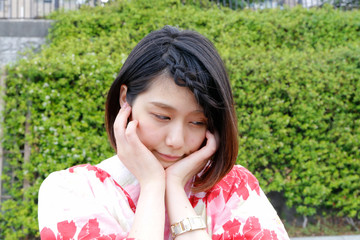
{"points": [[187, 225]]}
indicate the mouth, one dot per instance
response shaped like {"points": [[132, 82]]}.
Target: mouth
{"points": [[168, 158]]}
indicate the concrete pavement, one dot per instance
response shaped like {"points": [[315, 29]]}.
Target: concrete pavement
{"points": [[349, 237]]}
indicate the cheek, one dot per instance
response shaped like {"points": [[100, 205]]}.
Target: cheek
{"points": [[148, 134], [196, 140], [146, 130]]}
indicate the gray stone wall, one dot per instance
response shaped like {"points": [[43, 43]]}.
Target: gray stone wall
{"points": [[11, 48], [16, 36]]}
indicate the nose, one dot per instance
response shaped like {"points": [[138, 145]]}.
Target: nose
{"points": [[176, 136]]}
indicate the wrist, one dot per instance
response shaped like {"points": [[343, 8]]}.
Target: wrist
{"points": [[155, 183], [187, 225], [175, 182]]}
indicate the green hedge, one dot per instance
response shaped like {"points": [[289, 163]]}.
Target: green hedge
{"points": [[295, 76]]}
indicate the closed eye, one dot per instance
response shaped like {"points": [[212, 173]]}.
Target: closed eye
{"points": [[198, 123], [161, 117]]}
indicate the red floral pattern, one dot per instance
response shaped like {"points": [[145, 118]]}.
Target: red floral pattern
{"points": [[235, 208], [236, 181], [231, 229], [252, 231], [231, 193], [131, 202], [67, 230], [194, 200], [47, 234], [102, 175]]}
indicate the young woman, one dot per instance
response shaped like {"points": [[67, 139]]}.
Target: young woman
{"points": [[170, 118]]}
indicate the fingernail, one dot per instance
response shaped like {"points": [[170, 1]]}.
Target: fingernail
{"points": [[125, 105]]}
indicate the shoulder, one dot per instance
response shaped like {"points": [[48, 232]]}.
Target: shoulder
{"points": [[81, 201], [81, 193], [74, 176], [75, 182], [240, 181], [64, 192], [77, 174]]}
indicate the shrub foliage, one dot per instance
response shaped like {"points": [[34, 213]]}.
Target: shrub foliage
{"points": [[295, 76]]}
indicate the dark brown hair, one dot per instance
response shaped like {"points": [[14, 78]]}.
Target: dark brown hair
{"points": [[193, 62]]}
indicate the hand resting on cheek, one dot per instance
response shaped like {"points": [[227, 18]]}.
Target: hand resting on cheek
{"points": [[132, 152], [182, 171]]}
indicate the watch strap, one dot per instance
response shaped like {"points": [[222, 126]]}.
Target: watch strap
{"points": [[187, 225]]}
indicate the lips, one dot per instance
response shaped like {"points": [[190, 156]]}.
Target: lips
{"points": [[168, 158]]}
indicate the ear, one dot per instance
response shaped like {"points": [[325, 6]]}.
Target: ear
{"points": [[122, 98]]}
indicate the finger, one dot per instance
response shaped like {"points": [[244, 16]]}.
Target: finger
{"points": [[211, 145], [121, 120], [186, 168], [201, 156], [131, 134]]}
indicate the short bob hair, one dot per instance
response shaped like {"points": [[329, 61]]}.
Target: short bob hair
{"points": [[193, 62]]}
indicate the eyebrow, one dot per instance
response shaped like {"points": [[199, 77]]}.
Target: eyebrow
{"points": [[169, 107]]}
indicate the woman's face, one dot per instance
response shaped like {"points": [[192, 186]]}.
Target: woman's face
{"points": [[171, 125]]}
